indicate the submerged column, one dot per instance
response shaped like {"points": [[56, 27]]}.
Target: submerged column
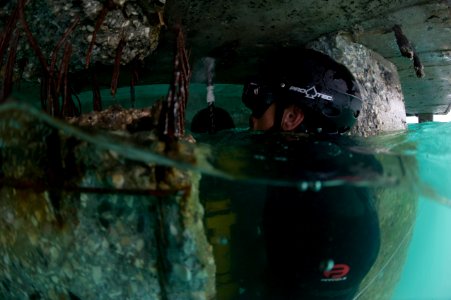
{"points": [[425, 118], [85, 215]]}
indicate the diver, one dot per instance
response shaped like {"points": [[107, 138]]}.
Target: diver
{"points": [[318, 243], [303, 241]]}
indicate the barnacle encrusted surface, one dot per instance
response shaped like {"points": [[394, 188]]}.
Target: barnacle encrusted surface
{"points": [[82, 221], [136, 22]]}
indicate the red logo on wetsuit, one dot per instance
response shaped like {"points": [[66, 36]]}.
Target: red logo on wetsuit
{"points": [[337, 273]]}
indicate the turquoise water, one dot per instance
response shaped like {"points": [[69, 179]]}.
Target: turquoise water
{"points": [[426, 273], [416, 162]]}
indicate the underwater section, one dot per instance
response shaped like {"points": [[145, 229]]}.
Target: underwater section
{"points": [[301, 173], [102, 203], [426, 268], [99, 203], [90, 211]]}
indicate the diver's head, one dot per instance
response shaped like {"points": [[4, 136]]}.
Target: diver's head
{"points": [[304, 90]]}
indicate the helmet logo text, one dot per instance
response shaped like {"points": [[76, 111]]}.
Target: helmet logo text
{"points": [[311, 93], [337, 273]]}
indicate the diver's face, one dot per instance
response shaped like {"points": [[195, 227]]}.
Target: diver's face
{"points": [[266, 121]]}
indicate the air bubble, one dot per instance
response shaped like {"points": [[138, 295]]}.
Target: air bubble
{"points": [[326, 265], [280, 158], [259, 157], [223, 241], [316, 186], [303, 186]]}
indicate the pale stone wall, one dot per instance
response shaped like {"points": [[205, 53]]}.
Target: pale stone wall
{"points": [[383, 102]]}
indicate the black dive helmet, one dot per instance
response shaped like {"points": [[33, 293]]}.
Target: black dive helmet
{"points": [[326, 90]]}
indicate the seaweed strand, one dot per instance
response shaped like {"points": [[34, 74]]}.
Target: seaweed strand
{"points": [[108, 5], [96, 96], [117, 66], [8, 76], [9, 28], [32, 41], [171, 122], [68, 109]]}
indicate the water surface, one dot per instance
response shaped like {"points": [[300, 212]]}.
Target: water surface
{"points": [[408, 170]]}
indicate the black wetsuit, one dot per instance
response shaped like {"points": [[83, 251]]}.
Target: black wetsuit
{"points": [[319, 245], [314, 234]]}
